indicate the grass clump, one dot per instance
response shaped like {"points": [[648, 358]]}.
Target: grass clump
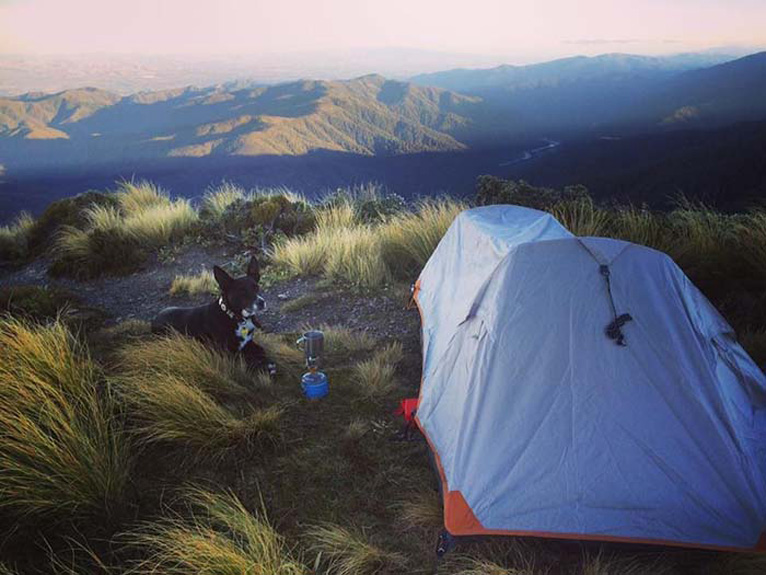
{"points": [[34, 302], [62, 450], [202, 283], [172, 411], [411, 238], [181, 392], [349, 551], [345, 249], [199, 365], [217, 200], [376, 376], [220, 537], [14, 238], [117, 239], [582, 216]]}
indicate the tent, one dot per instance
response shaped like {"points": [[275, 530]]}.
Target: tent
{"points": [[584, 388]]}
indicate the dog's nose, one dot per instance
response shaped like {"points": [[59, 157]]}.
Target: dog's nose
{"points": [[260, 303]]}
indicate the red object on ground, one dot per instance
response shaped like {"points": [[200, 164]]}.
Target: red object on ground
{"points": [[407, 408]]}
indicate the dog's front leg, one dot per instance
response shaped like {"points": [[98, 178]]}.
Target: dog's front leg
{"points": [[256, 358]]}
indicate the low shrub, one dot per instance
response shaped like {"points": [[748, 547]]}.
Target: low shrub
{"points": [[492, 190], [220, 536], [67, 212], [63, 453], [14, 238]]}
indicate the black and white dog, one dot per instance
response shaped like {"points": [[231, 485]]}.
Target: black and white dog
{"points": [[227, 323]]}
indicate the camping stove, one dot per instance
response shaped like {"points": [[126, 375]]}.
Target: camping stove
{"points": [[314, 383]]}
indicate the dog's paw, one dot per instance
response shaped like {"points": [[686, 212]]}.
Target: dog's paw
{"points": [[272, 368]]}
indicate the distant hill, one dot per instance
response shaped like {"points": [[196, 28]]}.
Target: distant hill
{"points": [[567, 70], [565, 98], [368, 115]]}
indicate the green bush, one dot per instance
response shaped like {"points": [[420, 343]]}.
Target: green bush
{"points": [[14, 239], [69, 212], [492, 190]]}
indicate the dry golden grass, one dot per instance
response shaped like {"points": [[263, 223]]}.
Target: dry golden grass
{"points": [[422, 510], [376, 376], [201, 283], [349, 551], [367, 256], [582, 217], [62, 449], [641, 226], [410, 238], [135, 197], [220, 537], [212, 371], [498, 557], [171, 410], [283, 351], [216, 200], [118, 238], [355, 256]]}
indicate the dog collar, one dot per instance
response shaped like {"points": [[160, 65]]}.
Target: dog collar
{"points": [[226, 310]]}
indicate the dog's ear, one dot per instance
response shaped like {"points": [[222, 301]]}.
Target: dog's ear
{"points": [[224, 280], [254, 269]]}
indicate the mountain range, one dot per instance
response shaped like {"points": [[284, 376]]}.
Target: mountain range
{"points": [[482, 117]]}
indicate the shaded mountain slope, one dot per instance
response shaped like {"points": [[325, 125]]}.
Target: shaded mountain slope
{"points": [[368, 115]]}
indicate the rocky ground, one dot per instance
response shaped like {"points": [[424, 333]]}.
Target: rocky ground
{"points": [[291, 304]]}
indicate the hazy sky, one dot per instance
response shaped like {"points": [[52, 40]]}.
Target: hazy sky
{"points": [[530, 29]]}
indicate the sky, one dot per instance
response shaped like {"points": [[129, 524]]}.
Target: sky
{"points": [[520, 31]]}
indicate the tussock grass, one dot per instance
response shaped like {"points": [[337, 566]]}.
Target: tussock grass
{"points": [[376, 376], [422, 510], [14, 237], [410, 238], [220, 537], [197, 364], [201, 283], [216, 200], [349, 551], [582, 216], [506, 557], [173, 411], [368, 256], [642, 226], [6, 570], [601, 565], [337, 216], [116, 239], [283, 351], [135, 197], [356, 257], [62, 450], [751, 231]]}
